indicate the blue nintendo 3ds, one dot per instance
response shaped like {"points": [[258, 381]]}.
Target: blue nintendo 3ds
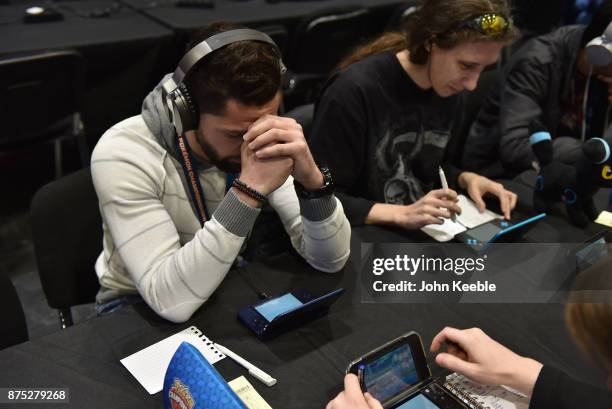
{"points": [[276, 315], [497, 231]]}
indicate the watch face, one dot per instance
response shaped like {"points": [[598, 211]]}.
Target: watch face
{"points": [[327, 178], [326, 189]]}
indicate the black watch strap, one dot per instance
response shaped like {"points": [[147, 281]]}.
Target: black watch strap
{"points": [[326, 190]]}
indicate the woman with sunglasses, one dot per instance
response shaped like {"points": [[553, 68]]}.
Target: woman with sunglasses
{"points": [[385, 120]]}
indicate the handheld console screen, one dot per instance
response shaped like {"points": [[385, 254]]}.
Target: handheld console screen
{"points": [[418, 402], [277, 306], [390, 374], [398, 376]]}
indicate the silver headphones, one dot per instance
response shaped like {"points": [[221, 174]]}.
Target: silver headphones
{"points": [[599, 49], [182, 110]]}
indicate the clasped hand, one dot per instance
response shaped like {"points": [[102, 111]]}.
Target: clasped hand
{"points": [[274, 148]]}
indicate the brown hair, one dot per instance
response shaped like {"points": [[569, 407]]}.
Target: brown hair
{"points": [[248, 71], [436, 21], [589, 313]]}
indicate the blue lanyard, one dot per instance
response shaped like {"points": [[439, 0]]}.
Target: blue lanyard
{"points": [[190, 170]]}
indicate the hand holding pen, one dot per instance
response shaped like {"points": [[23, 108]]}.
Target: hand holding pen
{"points": [[444, 183]]}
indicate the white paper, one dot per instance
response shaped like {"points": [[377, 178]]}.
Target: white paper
{"points": [[149, 365], [469, 218], [247, 394], [444, 232]]}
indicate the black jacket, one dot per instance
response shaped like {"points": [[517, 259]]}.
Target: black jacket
{"points": [[556, 390], [382, 136], [533, 86]]}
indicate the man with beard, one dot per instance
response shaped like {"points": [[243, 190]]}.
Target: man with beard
{"points": [[180, 185]]}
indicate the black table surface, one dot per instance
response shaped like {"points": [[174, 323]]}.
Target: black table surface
{"points": [[252, 12], [75, 30], [309, 362], [125, 53]]}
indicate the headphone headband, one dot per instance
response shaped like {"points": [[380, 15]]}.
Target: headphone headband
{"points": [[214, 43]]}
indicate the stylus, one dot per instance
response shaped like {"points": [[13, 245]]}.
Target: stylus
{"points": [[360, 377], [253, 370], [445, 187]]}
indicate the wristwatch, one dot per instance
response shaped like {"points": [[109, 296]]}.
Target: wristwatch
{"points": [[326, 190]]}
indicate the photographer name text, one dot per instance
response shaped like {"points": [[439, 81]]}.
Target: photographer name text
{"points": [[434, 286]]}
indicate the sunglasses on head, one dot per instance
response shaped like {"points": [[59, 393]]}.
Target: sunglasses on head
{"points": [[489, 24]]}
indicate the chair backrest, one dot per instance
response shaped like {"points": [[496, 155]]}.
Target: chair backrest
{"points": [[13, 329], [401, 13], [322, 38], [38, 91], [279, 34], [304, 115], [67, 235], [539, 16]]}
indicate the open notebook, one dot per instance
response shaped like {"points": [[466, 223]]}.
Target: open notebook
{"points": [[478, 396], [149, 365], [469, 218]]}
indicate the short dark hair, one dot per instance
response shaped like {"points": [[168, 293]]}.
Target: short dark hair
{"points": [[599, 23], [248, 71]]}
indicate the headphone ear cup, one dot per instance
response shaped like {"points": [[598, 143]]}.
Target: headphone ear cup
{"points": [[599, 52], [192, 107], [185, 113]]}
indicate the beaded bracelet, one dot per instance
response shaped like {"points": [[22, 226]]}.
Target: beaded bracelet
{"points": [[246, 189]]}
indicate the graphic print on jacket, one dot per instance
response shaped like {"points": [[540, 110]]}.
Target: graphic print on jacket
{"points": [[405, 159]]}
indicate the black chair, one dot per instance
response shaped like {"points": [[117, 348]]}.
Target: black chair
{"points": [[13, 329], [401, 13], [41, 96], [279, 34], [67, 235], [304, 115], [320, 41]]}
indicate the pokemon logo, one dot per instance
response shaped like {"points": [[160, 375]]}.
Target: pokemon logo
{"points": [[180, 397], [606, 172]]}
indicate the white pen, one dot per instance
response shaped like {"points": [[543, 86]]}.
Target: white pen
{"points": [[445, 187], [253, 370]]}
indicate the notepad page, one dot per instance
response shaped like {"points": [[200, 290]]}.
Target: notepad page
{"points": [[149, 365], [483, 396], [470, 217], [443, 232]]}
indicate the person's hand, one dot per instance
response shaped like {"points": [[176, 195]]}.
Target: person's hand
{"points": [[474, 354], [273, 137], [263, 175], [479, 186], [352, 397], [429, 209]]}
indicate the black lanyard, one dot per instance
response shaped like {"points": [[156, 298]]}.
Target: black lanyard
{"points": [[190, 170]]}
